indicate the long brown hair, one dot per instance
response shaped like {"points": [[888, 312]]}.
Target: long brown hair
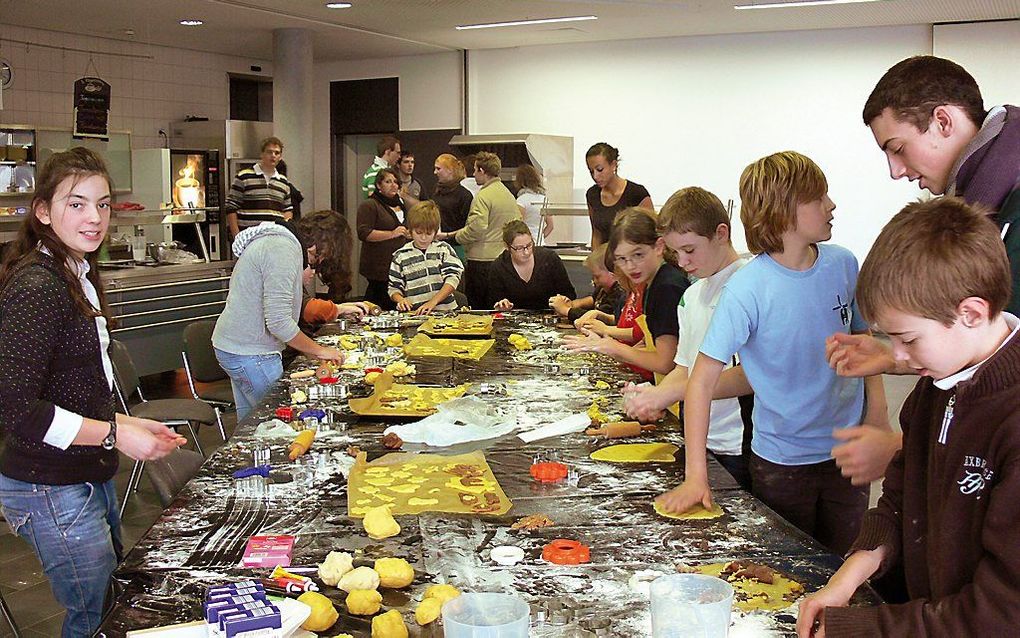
{"points": [[330, 233], [78, 163]]}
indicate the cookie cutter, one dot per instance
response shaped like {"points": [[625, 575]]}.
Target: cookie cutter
{"points": [[564, 551], [549, 472], [583, 371], [341, 324], [506, 555], [597, 626], [550, 320], [558, 612], [551, 368]]}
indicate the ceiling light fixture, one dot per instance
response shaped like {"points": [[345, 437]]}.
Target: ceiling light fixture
{"points": [[338, 5], [797, 3], [191, 23], [517, 23]]}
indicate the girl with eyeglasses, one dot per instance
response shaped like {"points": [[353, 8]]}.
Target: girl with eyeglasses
{"points": [[636, 250]]}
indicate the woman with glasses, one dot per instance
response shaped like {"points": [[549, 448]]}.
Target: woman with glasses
{"points": [[636, 249], [526, 276]]}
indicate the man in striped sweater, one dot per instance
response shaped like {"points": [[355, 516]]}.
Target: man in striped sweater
{"points": [[424, 272], [260, 193]]}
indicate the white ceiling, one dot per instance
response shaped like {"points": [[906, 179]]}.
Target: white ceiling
{"points": [[383, 28]]}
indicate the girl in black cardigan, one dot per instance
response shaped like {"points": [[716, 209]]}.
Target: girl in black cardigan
{"points": [[60, 431], [525, 276]]}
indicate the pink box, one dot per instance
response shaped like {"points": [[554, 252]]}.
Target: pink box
{"points": [[268, 551]]}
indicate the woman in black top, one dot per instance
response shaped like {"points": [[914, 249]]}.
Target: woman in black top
{"points": [[611, 193], [381, 230], [453, 200], [526, 276], [61, 434]]}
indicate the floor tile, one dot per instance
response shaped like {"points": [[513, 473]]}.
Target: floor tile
{"points": [[33, 605], [22, 572]]}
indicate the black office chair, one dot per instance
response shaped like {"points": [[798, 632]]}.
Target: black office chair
{"points": [[174, 413], [200, 365], [170, 473]]}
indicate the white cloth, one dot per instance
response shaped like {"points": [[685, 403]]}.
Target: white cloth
{"points": [[694, 314], [66, 424]]}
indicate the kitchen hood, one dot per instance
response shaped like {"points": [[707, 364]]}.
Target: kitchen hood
{"points": [[552, 155]]}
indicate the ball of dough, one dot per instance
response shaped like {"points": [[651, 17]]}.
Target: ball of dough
{"points": [[364, 602], [389, 625], [428, 611], [442, 592], [323, 615], [336, 565], [359, 578], [379, 523], [394, 573], [395, 340]]}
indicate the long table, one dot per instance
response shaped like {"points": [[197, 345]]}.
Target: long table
{"points": [[199, 539]]}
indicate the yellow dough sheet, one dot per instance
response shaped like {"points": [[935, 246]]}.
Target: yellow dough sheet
{"points": [[424, 346], [467, 325], [416, 483], [397, 399], [750, 594], [637, 453]]}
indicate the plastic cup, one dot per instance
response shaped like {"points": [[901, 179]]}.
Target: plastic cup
{"points": [[486, 615], [690, 606]]}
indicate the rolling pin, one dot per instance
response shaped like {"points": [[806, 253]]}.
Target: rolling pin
{"points": [[301, 443], [619, 429]]}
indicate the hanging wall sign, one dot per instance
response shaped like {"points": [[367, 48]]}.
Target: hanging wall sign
{"points": [[91, 108]]}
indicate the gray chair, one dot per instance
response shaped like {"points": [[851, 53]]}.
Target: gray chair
{"points": [[173, 412], [200, 365], [170, 473], [8, 616]]}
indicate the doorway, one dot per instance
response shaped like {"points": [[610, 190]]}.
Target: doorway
{"points": [[358, 153]]}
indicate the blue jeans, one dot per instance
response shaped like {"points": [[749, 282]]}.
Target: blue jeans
{"points": [[251, 376], [75, 531]]}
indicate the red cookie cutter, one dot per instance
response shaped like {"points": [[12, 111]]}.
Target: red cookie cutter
{"points": [[285, 412], [562, 551], [379, 370], [549, 472], [328, 380]]}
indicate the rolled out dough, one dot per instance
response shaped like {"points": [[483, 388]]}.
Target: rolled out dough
{"points": [[697, 512], [637, 453]]}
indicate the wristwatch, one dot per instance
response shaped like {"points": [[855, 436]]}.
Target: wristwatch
{"points": [[111, 439]]}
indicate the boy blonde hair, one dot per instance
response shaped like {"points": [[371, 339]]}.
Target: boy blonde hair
{"points": [[930, 257], [488, 162], [596, 260], [692, 210], [770, 191], [423, 217]]}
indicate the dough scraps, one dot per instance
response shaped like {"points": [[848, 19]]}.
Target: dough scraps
{"points": [[414, 500], [637, 453], [755, 587], [696, 512]]}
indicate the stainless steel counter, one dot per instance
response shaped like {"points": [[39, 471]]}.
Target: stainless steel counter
{"points": [[152, 305]]}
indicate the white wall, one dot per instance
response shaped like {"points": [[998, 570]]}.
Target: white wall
{"points": [[147, 94], [697, 110], [430, 98], [989, 51]]}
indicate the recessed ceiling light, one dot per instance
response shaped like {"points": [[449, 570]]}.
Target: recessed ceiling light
{"points": [[338, 5], [191, 23], [797, 3], [517, 23]]}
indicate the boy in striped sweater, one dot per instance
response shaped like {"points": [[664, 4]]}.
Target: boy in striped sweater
{"points": [[424, 273]]}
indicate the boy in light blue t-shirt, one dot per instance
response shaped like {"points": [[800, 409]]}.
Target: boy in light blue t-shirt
{"points": [[776, 313]]}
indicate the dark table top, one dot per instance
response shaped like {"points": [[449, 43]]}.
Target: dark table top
{"points": [[200, 538]]}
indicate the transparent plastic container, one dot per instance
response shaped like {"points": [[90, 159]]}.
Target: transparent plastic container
{"points": [[486, 615], [690, 606]]}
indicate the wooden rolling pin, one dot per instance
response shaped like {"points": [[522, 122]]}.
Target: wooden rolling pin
{"points": [[301, 443], [619, 429]]}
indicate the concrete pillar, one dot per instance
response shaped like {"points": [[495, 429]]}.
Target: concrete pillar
{"points": [[292, 106]]}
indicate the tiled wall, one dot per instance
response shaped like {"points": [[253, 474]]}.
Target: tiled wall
{"points": [[147, 93]]}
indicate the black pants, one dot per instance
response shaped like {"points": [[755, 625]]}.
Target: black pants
{"points": [[736, 465], [476, 284], [816, 498], [376, 292]]}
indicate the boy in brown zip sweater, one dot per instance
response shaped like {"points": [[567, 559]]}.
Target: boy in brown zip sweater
{"points": [[936, 281]]}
